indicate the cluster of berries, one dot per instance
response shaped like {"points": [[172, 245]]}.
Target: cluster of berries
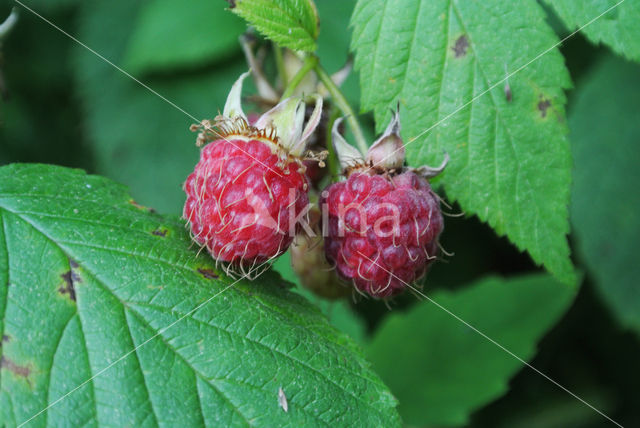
{"points": [[248, 198]]}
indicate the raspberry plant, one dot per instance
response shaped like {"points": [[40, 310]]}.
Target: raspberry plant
{"points": [[116, 314]]}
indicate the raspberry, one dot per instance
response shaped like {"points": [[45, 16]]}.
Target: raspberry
{"points": [[383, 230], [248, 191], [384, 221], [239, 198]]}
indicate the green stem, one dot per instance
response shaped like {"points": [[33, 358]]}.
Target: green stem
{"points": [[282, 71], [332, 159], [309, 63], [343, 104]]}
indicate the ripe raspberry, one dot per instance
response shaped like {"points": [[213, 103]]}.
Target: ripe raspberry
{"points": [[248, 191], [384, 220], [239, 198], [383, 230]]}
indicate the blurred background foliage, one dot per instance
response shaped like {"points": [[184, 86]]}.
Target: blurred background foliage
{"points": [[66, 106]]}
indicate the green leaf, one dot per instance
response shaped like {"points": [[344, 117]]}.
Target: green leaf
{"points": [[510, 160], [87, 275], [290, 23], [605, 131], [617, 28], [440, 370], [171, 34], [338, 312], [138, 138]]}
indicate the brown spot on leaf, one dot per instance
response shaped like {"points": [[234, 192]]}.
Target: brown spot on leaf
{"points": [[160, 232], [232, 3], [543, 106], [70, 278], [5, 338], [73, 263], [14, 368], [461, 46], [208, 273]]}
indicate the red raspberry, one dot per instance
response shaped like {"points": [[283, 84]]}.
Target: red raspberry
{"points": [[241, 200], [248, 191], [383, 230], [384, 220]]}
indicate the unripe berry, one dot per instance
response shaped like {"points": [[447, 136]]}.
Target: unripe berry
{"points": [[309, 263]]}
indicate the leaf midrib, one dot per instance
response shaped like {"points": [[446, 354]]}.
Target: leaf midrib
{"points": [[91, 385], [138, 362]]}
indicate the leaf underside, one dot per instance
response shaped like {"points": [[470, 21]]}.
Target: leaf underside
{"points": [[290, 23], [87, 275], [510, 160]]}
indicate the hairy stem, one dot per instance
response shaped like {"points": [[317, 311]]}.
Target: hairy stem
{"points": [[309, 63], [343, 105], [332, 159]]}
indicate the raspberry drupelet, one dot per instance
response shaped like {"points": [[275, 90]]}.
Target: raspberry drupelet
{"points": [[384, 221]]}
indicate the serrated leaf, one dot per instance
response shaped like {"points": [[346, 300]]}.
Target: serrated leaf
{"points": [[617, 28], [339, 313], [171, 34], [290, 23], [605, 131], [440, 370], [510, 160], [86, 275]]}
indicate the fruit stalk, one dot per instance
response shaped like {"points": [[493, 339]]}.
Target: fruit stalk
{"points": [[343, 104], [309, 63]]}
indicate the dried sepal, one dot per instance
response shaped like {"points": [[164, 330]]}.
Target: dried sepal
{"points": [[265, 91], [310, 127], [386, 154], [233, 106], [388, 151], [348, 156], [282, 126], [430, 172]]}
